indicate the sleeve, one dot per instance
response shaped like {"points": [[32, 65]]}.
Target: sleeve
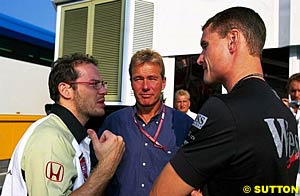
{"points": [[48, 164], [208, 146]]}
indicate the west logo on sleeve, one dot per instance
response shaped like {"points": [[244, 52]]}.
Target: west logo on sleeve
{"points": [[54, 171], [199, 121]]}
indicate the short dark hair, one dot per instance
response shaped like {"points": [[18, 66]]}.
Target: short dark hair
{"points": [[63, 70], [146, 55], [244, 19], [293, 77]]}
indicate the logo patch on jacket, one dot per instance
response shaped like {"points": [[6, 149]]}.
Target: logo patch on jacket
{"points": [[199, 121], [54, 171]]}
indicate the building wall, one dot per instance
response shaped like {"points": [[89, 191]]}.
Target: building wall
{"points": [[23, 87], [177, 31]]}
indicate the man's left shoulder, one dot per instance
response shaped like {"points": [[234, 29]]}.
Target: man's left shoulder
{"points": [[180, 116]]}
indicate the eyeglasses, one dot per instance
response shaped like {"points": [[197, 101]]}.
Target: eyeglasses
{"points": [[96, 84]]}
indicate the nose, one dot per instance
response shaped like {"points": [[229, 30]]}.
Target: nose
{"points": [[102, 91], [181, 104], [200, 59], [145, 84]]}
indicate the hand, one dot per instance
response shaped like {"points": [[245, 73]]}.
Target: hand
{"points": [[196, 193], [108, 149], [286, 102]]}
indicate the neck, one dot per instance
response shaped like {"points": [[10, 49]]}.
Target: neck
{"points": [[146, 113], [80, 117], [242, 65], [252, 75]]}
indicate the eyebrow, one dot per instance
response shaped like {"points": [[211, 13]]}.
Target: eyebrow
{"points": [[95, 80], [203, 43]]}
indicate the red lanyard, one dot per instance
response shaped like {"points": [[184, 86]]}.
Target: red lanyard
{"points": [[153, 139]]}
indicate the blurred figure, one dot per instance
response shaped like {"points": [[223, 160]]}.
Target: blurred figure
{"points": [[183, 103], [241, 139], [293, 87], [152, 131], [52, 157], [293, 102]]}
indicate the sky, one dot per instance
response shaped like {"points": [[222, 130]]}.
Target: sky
{"points": [[40, 13]]}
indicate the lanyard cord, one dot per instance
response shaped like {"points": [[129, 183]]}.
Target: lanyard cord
{"points": [[247, 77], [153, 139]]}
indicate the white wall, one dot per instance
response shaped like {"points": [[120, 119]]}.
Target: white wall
{"points": [[178, 23], [294, 25], [169, 73], [23, 87]]}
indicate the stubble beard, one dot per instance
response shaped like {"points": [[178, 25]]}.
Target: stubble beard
{"points": [[87, 108]]}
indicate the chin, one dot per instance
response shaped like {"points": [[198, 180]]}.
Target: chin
{"points": [[98, 113], [207, 80], [102, 112]]}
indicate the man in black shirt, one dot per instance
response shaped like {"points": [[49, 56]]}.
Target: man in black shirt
{"points": [[242, 142]]}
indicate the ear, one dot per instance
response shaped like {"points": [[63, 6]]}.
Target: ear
{"points": [[233, 38], [65, 90]]}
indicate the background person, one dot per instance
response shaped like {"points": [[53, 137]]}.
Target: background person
{"points": [[183, 103], [237, 138], [52, 157], [151, 130], [293, 87]]}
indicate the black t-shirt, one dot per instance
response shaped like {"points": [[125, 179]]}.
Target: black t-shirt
{"points": [[244, 138]]}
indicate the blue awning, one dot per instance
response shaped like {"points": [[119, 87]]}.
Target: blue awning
{"points": [[17, 29]]}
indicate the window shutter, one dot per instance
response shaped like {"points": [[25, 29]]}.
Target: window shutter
{"points": [[107, 46], [143, 25], [74, 31], [96, 28]]}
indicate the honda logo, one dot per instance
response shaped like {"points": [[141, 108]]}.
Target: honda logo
{"points": [[54, 171]]}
